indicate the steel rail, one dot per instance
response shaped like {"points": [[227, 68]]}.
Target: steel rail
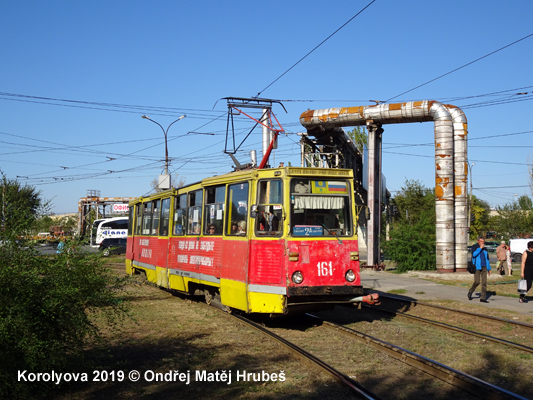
{"points": [[344, 379], [468, 383], [488, 317], [456, 329]]}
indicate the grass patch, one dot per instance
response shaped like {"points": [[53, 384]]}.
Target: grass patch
{"points": [[397, 291]]}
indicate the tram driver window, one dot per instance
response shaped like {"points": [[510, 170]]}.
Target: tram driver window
{"points": [[237, 210]]}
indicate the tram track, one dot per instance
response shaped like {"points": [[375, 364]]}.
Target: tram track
{"points": [[355, 387], [465, 382], [454, 328], [458, 329], [447, 309]]}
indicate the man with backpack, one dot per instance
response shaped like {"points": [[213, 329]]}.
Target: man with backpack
{"points": [[480, 258]]}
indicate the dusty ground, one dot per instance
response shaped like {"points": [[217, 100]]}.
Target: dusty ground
{"points": [[167, 333]]}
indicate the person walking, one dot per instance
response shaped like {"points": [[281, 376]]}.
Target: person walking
{"points": [[526, 271], [502, 257], [480, 258]]}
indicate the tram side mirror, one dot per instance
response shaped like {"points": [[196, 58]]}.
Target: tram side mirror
{"points": [[253, 211]]}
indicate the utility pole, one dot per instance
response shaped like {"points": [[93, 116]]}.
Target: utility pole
{"points": [[165, 182], [470, 202]]}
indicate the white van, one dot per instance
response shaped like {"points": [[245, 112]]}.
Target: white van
{"points": [[518, 246]]}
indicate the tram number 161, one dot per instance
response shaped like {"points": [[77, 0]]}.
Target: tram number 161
{"points": [[324, 268]]}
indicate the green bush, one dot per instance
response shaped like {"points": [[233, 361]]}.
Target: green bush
{"points": [[49, 305], [48, 308], [413, 237], [412, 246]]}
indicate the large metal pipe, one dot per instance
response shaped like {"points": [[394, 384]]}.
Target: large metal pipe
{"points": [[374, 194], [446, 178], [460, 132]]}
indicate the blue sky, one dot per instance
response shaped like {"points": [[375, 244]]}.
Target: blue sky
{"points": [[77, 76]]}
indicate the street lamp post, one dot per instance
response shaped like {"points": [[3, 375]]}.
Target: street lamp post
{"points": [[470, 202], [165, 132]]}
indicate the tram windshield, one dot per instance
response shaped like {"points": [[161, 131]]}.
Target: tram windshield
{"points": [[320, 208]]}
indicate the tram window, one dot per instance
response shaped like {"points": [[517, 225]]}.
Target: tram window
{"points": [[214, 210], [147, 218], [269, 208], [139, 217], [155, 216], [237, 214], [320, 208], [195, 213], [180, 215], [165, 214]]}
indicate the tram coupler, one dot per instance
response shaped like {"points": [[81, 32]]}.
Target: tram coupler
{"points": [[372, 299]]}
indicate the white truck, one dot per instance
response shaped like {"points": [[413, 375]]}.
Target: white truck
{"points": [[518, 246]]}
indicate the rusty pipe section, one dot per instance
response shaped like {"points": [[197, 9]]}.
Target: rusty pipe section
{"points": [[417, 111], [460, 132], [450, 176]]}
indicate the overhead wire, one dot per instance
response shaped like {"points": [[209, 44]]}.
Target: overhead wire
{"points": [[209, 157], [461, 67], [167, 109], [116, 157], [70, 102], [316, 47]]}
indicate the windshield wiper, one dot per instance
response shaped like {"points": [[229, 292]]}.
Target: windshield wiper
{"points": [[330, 232]]}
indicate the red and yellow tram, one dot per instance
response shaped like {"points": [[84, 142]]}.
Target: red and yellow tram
{"points": [[261, 240]]}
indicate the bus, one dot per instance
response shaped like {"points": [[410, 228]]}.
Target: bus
{"points": [[94, 229], [109, 228], [260, 241]]}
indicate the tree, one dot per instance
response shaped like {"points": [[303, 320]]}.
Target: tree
{"points": [[413, 238], [20, 205], [359, 137], [43, 224], [514, 219], [69, 224], [413, 201], [525, 203], [480, 221], [48, 304]]}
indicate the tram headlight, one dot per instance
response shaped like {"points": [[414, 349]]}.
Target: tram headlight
{"points": [[297, 277], [350, 275]]}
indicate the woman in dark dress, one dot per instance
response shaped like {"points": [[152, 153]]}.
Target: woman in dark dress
{"points": [[527, 268]]}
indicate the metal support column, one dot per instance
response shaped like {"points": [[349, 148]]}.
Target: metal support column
{"points": [[374, 192]]}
